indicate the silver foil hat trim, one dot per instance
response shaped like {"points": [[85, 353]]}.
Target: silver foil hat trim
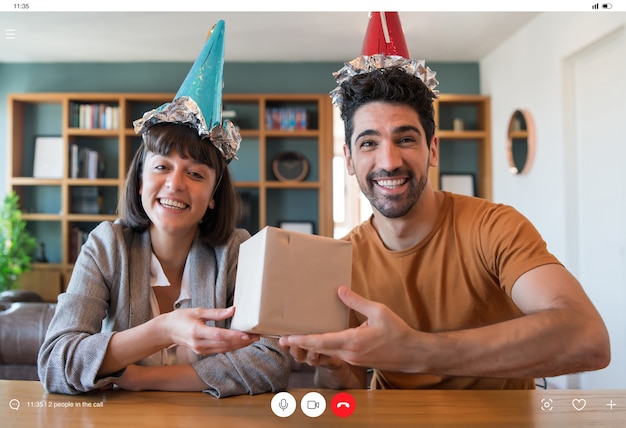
{"points": [[184, 110], [227, 139], [366, 64]]}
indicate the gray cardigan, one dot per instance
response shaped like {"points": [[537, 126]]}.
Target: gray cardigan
{"points": [[109, 291]]}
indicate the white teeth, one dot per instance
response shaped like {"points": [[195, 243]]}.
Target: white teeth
{"points": [[173, 204], [391, 183]]}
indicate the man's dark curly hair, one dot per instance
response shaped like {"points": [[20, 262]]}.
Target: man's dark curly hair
{"points": [[391, 85]]}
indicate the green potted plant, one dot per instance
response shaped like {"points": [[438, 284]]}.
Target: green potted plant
{"points": [[16, 243]]}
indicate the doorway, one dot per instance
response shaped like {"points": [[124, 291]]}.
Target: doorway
{"points": [[595, 103]]}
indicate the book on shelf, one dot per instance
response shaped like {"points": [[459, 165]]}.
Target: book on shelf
{"points": [[74, 161], [92, 164]]}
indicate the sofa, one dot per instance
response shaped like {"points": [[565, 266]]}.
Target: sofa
{"points": [[24, 319]]}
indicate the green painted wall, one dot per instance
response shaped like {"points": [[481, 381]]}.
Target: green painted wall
{"points": [[460, 78]]}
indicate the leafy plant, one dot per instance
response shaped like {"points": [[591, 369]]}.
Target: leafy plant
{"points": [[16, 243]]}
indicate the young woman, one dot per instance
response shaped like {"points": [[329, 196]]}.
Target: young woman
{"points": [[150, 298]]}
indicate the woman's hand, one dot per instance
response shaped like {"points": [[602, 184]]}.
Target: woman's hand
{"points": [[183, 327], [186, 327]]}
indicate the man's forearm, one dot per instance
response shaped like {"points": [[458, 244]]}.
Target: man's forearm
{"points": [[550, 343]]}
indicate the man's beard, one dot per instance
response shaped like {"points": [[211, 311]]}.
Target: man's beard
{"points": [[398, 205]]}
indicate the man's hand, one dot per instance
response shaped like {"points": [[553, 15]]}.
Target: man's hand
{"points": [[379, 342], [560, 332]]}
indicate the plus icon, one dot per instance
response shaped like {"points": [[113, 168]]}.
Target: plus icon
{"points": [[611, 404]]}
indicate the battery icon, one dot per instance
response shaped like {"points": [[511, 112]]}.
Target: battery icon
{"points": [[607, 5]]}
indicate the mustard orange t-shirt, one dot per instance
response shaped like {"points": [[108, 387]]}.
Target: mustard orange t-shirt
{"points": [[459, 276]]}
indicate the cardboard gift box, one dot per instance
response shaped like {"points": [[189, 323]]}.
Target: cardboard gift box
{"points": [[287, 283]]}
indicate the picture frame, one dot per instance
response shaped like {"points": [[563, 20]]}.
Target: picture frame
{"points": [[48, 159], [460, 183], [298, 226]]}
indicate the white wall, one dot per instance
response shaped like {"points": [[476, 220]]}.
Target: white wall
{"points": [[531, 70]]}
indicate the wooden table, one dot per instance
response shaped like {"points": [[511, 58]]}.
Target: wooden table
{"points": [[116, 408]]}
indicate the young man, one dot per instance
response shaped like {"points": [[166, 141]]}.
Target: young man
{"points": [[448, 291]]}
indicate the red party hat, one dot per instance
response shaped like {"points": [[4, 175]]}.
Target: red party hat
{"points": [[384, 35], [384, 47]]}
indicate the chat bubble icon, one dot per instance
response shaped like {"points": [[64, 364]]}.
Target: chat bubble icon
{"points": [[14, 404]]}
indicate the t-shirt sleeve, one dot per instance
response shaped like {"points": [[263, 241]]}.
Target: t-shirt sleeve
{"points": [[511, 245]]}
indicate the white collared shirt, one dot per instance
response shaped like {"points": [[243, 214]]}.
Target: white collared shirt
{"points": [[174, 354]]}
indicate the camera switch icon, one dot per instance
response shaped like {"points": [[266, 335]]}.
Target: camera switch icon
{"points": [[546, 404]]}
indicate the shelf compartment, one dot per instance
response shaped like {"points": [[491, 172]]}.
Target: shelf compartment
{"points": [[78, 231], [308, 147], [50, 233], [246, 167], [247, 114], [250, 209], [293, 205], [291, 116], [103, 164], [40, 199], [92, 200]]}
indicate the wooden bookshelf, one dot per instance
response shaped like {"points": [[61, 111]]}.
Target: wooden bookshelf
{"points": [[47, 203], [465, 151]]}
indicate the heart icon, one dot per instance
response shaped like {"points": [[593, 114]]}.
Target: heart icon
{"points": [[579, 403]]}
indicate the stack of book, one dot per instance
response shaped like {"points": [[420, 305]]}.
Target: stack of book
{"points": [[94, 116], [85, 162], [85, 200], [286, 119]]}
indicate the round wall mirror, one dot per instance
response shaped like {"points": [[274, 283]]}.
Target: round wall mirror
{"points": [[521, 142]]}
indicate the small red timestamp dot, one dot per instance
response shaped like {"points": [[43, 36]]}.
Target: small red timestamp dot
{"points": [[343, 404]]}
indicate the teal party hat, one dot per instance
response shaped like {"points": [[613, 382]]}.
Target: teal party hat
{"points": [[204, 81], [198, 102]]}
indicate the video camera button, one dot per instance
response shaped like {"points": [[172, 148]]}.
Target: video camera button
{"points": [[313, 404]]}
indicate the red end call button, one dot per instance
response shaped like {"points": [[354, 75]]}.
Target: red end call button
{"points": [[343, 404]]}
